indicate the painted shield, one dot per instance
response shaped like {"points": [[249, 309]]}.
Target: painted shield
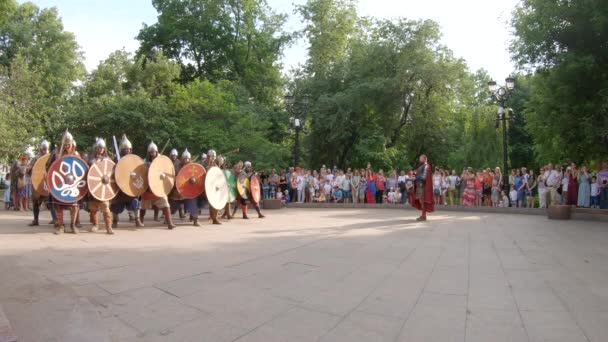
{"points": [[242, 185], [131, 174], [190, 181], [100, 180], [66, 179], [39, 184], [161, 176], [256, 189], [231, 180], [216, 188]]}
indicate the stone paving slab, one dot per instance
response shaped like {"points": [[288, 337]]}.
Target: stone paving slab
{"points": [[330, 274]]}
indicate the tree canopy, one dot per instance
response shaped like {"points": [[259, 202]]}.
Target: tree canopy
{"points": [[207, 74]]}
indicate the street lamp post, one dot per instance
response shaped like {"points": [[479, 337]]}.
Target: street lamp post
{"points": [[296, 107], [500, 95]]}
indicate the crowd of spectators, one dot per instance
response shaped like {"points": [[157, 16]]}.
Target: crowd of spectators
{"points": [[521, 188]]}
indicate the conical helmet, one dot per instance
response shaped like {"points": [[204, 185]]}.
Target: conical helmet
{"points": [[186, 154], [125, 143]]}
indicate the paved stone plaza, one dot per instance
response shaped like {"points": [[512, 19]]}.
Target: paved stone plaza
{"points": [[311, 275]]}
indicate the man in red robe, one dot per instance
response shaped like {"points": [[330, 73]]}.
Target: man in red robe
{"points": [[423, 193]]}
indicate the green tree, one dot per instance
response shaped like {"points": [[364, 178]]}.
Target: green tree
{"points": [[39, 63], [565, 42], [239, 40]]}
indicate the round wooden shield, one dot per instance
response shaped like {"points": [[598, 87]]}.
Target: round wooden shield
{"points": [[66, 179], [131, 174], [100, 180], [242, 185], [256, 189], [39, 176], [190, 180], [161, 176], [216, 188], [231, 180]]}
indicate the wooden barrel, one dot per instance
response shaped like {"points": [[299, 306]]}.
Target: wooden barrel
{"points": [[272, 204], [559, 212]]}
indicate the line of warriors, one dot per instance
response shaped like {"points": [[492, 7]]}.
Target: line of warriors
{"points": [[70, 183]]}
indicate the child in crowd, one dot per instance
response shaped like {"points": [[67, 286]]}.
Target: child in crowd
{"points": [[496, 194], [337, 195], [7, 191], [287, 197], [513, 196], [392, 196], [504, 203], [327, 190], [595, 193], [322, 197], [265, 188], [279, 195]]}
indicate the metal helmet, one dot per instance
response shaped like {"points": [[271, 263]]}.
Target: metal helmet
{"points": [[44, 144], [100, 143], [203, 156], [152, 147], [67, 138], [212, 153], [125, 143], [174, 152], [247, 164], [186, 154], [221, 160]]}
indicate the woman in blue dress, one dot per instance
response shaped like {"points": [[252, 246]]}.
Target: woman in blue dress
{"points": [[584, 188]]}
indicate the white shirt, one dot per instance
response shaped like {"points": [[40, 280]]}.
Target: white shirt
{"points": [[552, 178], [514, 196], [565, 184], [402, 179], [301, 182], [329, 177], [595, 189], [453, 179], [327, 188]]}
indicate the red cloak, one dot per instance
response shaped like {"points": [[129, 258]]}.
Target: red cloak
{"points": [[429, 204]]}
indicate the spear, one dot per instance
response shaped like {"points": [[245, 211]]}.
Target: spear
{"points": [[164, 147]]}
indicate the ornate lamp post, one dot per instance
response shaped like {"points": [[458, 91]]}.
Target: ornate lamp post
{"points": [[500, 95], [296, 107]]}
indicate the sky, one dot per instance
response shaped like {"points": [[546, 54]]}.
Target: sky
{"points": [[476, 30]]}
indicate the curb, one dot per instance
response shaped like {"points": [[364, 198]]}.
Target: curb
{"points": [[581, 214]]}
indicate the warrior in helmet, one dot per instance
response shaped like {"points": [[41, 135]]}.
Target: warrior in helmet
{"points": [[248, 170], [95, 205], [190, 204], [68, 149], [37, 199], [149, 199], [208, 163], [122, 200], [174, 194], [221, 160]]}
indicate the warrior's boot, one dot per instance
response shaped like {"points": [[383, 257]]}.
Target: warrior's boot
{"points": [[131, 217], [213, 215], [167, 212], [36, 213], [115, 219], [181, 212], [107, 217], [155, 215], [244, 209], [74, 224], [77, 222], [94, 220], [59, 229], [139, 218], [142, 214], [195, 222], [257, 208]]}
